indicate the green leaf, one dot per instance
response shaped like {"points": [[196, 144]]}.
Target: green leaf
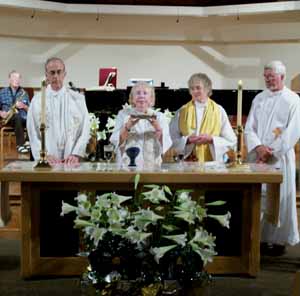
{"points": [[136, 181], [184, 190], [151, 186], [216, 203], [167, 189]]}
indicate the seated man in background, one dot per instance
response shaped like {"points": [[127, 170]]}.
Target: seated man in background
{"points": [[200, 129], [67, 119], [14, 102]]}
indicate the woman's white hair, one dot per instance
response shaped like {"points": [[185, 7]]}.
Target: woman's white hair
{"points": [[277, 66]]}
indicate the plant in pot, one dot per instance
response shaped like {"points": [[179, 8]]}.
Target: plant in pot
{"points": [[149, 243]]}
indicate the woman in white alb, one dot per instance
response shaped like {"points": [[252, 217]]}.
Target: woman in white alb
{"points": [[200, 129], [141, 126]]}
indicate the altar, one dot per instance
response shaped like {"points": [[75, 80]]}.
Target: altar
{"points": [[41, 187]]}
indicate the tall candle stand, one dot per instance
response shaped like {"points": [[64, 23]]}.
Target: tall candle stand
{"points": [[238, 162], [43, 162], [239, 150]]}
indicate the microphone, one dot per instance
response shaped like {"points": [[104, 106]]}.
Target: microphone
{"points": [[72, 86]]}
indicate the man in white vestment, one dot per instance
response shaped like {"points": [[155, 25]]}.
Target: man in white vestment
{"points": [[200, 130], [67, 119], [271, 132]]}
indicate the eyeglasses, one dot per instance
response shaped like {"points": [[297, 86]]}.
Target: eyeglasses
{"points": [[53, 72]]}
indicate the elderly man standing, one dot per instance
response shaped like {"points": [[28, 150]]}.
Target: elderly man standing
{"points": [[271, 132], [14, 102], [67, 119]]}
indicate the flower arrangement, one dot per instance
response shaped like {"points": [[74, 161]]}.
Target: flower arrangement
{"points": [[154, 236]]}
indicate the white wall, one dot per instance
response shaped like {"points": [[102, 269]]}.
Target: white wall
{"points": [[155, 47]]}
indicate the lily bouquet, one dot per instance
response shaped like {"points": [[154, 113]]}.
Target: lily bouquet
{"points": [[153, 236]]}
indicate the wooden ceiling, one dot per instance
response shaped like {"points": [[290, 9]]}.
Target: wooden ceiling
{"points": [[167, 2]]}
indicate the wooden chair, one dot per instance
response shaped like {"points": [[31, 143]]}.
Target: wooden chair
{"points": [[9, 132]]}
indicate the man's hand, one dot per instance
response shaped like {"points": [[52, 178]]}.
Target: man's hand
{"points": [[201, 139], [72, 160], [263, 153], [21, 105], [53, 160]]}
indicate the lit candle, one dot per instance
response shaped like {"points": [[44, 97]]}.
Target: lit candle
{"points": [[43, 103], [239, 103]]}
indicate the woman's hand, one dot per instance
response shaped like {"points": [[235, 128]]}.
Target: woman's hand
{"points": [[126, 128], [201, 139], [158, 131], [130, 123]]}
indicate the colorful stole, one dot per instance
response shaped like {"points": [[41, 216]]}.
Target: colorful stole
{"points": [[211, 125]]}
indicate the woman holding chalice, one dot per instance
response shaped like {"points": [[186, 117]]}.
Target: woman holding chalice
{"points": [[142, 127]]}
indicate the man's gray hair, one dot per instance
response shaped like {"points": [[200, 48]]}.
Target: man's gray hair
{"points": [[277, 66], [52, 59], [13, 72]]}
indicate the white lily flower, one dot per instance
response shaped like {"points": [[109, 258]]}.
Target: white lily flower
{"points": [[67, 208], [117, 199], [189, 217], [206, 254], [97, 234], [82, 211], [113, 215], [143, 218], [110, 125], [137, 236], [96, 214], [160, 252], [81, 198], [126, 106], [169, 115], [183, 196], [101, 135], [222, 219], [79, 223], [180, 239], [203, 238], [156, 196]]}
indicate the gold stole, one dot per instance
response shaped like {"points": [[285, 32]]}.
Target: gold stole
{"points": [[211, 125]]}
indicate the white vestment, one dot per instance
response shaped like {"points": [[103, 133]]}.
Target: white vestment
{"points": [[141, 135], [221, 144], [67, 123], [274, 121]]}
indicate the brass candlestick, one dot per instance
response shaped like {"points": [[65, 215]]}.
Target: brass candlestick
{"points": [[239, 150], [43, 162], [238, 161]]}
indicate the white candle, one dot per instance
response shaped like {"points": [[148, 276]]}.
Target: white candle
{"points": [[239, 103], [43, 103]]}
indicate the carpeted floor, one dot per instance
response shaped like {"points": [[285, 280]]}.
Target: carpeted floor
{"points": [[275, 278]]}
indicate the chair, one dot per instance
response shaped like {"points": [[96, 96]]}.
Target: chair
{"points": [[9, 131]]}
